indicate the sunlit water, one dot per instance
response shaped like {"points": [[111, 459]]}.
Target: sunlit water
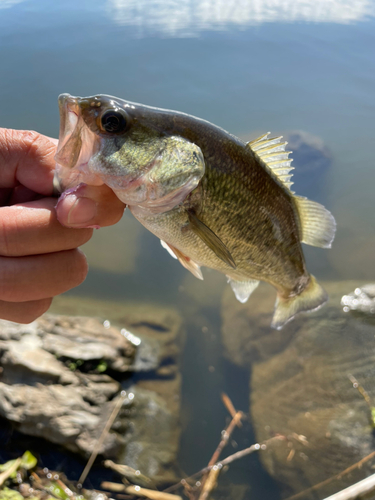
{"points": [[247, 66]]}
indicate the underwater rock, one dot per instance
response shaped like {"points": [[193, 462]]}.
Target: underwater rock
{"points": [[53, 385], [361, 300], [309, 151], [312, 159], [153, 439], [304, 392], [246, 332]]}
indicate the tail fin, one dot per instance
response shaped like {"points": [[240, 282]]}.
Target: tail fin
{"points": [[310, 299]]}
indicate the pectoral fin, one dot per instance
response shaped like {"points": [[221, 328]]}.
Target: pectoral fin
{"points": [[188, 264], [211, 240]]}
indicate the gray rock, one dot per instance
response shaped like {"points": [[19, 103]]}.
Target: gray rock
{"points": [[43, 397], [309, 152], [246, 332], [300, 388], [149, 445], [59, 414]]}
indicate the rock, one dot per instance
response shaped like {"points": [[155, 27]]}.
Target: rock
{"points": [[153, 439], [311, 155], [51, 384], [59, 414], [300, 387], [246, 332], [159, 325]]}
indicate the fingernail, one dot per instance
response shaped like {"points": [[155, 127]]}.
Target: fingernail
{"points": [[82, 211]]}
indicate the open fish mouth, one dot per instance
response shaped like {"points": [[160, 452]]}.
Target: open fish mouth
{"points": [[77, 145]]}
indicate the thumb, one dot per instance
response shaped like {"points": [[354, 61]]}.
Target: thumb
{"points": [[89, 206]]}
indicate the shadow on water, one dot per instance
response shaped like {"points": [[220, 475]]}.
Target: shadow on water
{"points": [[206, 374]]}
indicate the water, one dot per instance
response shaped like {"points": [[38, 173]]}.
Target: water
{"points": [[247, 66]]}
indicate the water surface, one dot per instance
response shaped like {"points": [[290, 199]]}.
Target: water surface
{"points": [[247, 66]]}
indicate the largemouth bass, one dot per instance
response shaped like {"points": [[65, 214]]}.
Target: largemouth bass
{"points": [[212, 199]]}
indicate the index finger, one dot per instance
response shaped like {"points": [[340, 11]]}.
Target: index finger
{"points": [[27, 158]]}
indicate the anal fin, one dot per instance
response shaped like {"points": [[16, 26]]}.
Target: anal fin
{"points": [[184, 260], [211, 239], [243, 289]]}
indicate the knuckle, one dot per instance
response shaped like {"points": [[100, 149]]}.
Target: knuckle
{"points": [[8, 283], [4, 238], [37, 146]]}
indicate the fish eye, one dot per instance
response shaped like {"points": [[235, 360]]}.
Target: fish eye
{"points": [[113, 121]]}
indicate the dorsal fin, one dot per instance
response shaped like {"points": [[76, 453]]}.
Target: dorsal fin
{"points": [[318, 225], [272, 153]]}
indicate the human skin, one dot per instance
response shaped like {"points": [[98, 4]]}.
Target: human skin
{"points": [[40, 235]]}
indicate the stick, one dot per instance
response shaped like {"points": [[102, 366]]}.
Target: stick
{"points": [[116, 487], [226, 435], [230, 459], [214, 474], [229, 406], [330, 479], [116, 408], [355, 491], [211, 482], [151, 494]]}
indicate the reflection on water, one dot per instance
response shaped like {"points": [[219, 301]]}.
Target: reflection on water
{"points": [[189, 17], [5, 4]]}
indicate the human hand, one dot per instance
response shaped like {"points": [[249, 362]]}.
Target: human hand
{"points": [[39, 257]]}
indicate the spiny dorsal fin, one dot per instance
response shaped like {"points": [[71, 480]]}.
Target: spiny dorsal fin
{"points": [[211, 240], [188, 264], [318, 225], [272, 153]]}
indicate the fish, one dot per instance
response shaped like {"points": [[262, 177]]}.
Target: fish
{"points": [[212, 199]]}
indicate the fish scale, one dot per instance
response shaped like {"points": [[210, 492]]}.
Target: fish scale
{"points": [[212, 199]]}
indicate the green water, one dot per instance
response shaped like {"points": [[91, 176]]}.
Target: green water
{"points": [[247, 66]]}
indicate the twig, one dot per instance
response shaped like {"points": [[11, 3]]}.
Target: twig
{"points": [[214, 474], [225, 437], [116, 487], [229, 406], [116, 408], [355, 491], [337, 476], [4, 475], [365, 396], [230, 459], [65, 488], [360, 389], [211, 482], [151, 494]]}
